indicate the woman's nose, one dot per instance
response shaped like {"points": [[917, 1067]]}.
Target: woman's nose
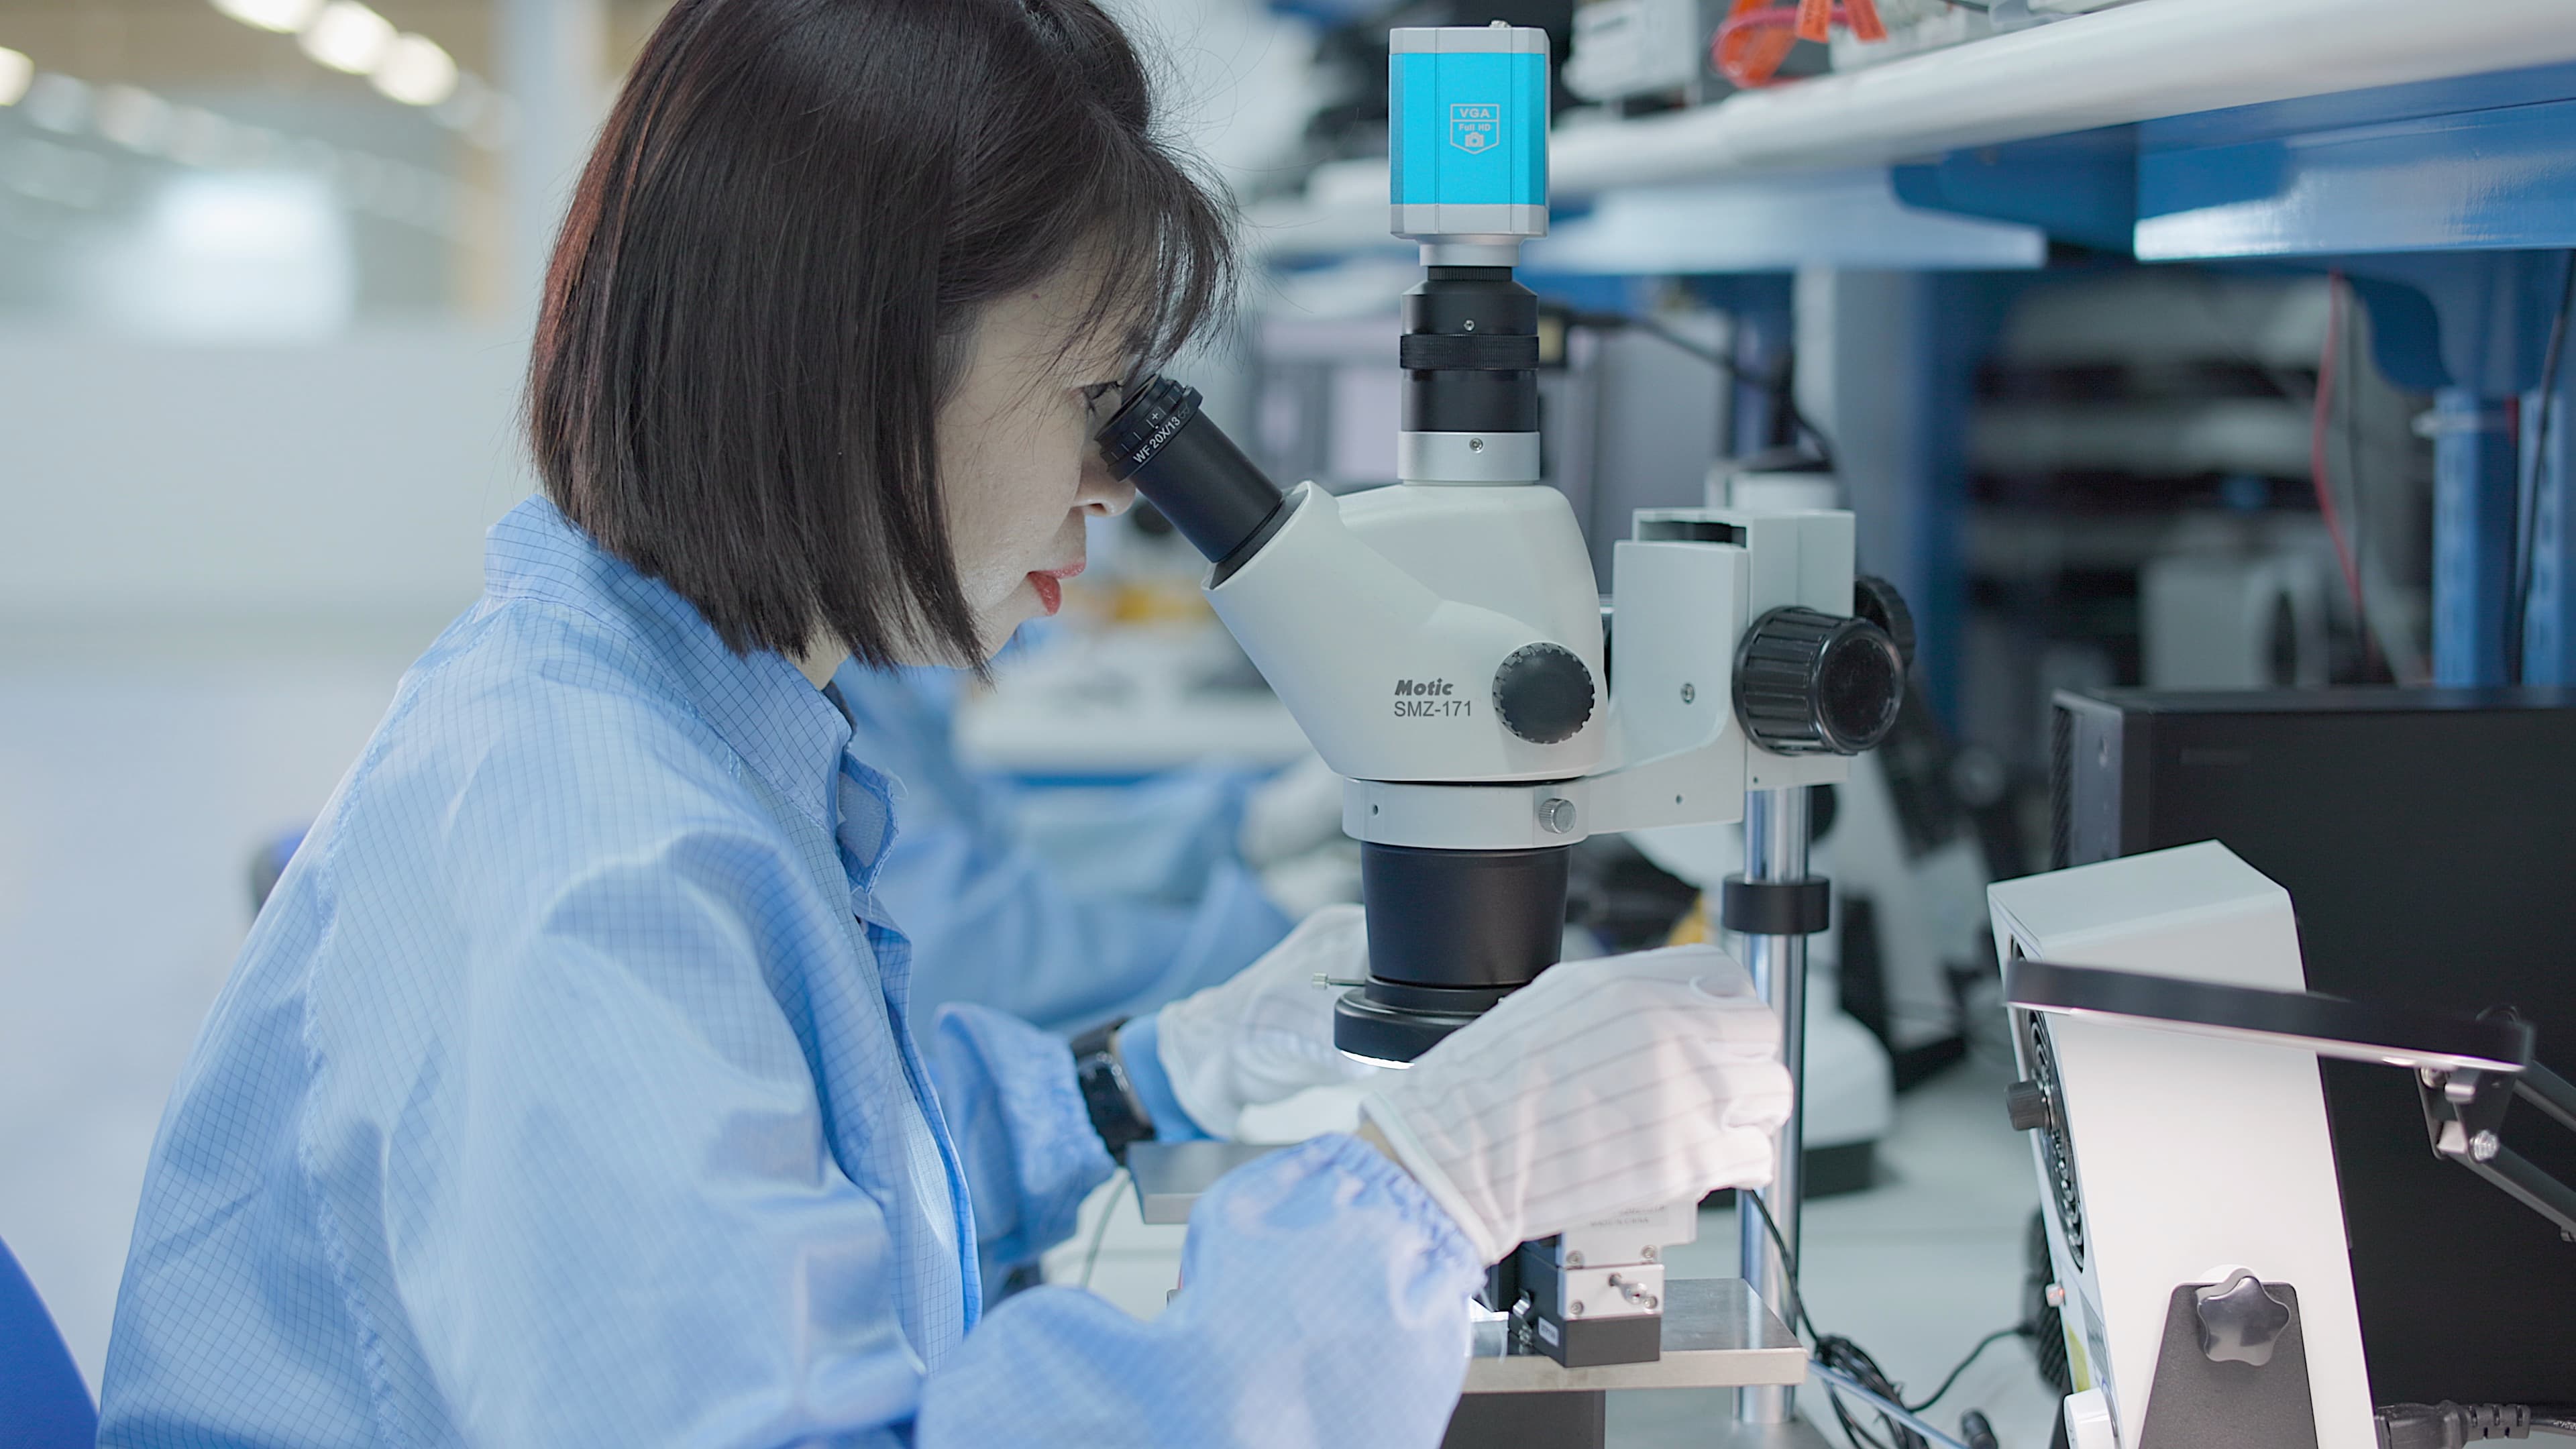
{"points": [[1101, 494]]}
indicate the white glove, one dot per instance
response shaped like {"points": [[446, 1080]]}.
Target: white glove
{"points": [[1604, 1085], [1267, 1034], [1326, 876], [1290, 814]]}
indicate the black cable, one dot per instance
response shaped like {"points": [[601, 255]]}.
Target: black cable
{"points": [[1100, 1231], [1833, 1350], [1838, 1352], [1788, 1261], [2018, 1330], [2527, 505], [2446, 1424], [1780, 386]]}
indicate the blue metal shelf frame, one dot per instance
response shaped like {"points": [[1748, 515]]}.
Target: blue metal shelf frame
{"points": [[2451, 208], [2451, 205]]}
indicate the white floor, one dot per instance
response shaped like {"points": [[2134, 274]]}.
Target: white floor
{"points": [[1915, 1270], [133, 788]]}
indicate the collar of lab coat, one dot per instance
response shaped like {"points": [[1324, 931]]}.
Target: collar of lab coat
{"points": [[760, 704]]}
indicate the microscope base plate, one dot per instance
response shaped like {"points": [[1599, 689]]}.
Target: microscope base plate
{"points": [[1796, 1434], [1716, 1335]]}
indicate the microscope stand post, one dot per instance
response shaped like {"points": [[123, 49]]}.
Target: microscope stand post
{"points": [[1770, 904]]}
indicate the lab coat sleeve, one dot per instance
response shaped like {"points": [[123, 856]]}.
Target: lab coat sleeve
{"points": [[1022, 1131], [670, 1203], [1324, 1303]]}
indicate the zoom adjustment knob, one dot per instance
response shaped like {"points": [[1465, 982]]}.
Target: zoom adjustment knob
{"points": [[1811, 683], [1543, 693]]}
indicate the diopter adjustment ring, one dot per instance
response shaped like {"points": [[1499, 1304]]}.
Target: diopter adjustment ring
{"points": [[1544, 694], [1812, 683]]}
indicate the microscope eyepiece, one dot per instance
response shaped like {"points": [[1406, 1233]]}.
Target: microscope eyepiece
{"points": [[1182, 461]]}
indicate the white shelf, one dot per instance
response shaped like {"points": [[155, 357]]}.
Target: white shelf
{"points": [[2144, 61], [1777, 223]]}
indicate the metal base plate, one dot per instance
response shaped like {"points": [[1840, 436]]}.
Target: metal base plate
{"points": [[1716, 1335], [1796, 1434], [1169, 1176]]}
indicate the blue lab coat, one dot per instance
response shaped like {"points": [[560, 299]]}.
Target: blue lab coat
{"points": [[1160, 907], [566, 1094]]}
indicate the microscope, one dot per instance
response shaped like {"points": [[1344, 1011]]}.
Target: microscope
{"points": [[1446, 647]]}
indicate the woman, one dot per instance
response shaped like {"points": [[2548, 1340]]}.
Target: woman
{"points": [[563, 1093]]}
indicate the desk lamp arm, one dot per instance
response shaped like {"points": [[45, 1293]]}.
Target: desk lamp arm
{"points": [[2464, 1112], [2468, 1069]]}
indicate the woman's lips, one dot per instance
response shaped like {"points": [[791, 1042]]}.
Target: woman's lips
{"points": [[1050, 586]]}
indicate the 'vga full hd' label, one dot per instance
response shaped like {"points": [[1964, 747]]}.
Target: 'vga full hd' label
{"points": [[1475, 126]]}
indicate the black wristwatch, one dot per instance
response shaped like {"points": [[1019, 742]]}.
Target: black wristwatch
{"points": [[1117, 1113]]}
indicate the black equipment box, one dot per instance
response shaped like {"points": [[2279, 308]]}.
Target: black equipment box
{"points": [[2428, 841]]}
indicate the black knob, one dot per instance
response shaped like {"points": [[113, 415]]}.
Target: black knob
{"points": [[1811, 683], [1543, 693], [2241, 1320], [1877, 600], [2027, 1104]]}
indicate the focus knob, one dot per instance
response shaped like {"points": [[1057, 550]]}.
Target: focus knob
{"points": [[1543, 693], [1811, 683]]}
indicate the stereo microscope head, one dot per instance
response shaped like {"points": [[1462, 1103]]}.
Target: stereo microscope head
{"points": [[1441, 642], [1334, 626], [1442, 646]]}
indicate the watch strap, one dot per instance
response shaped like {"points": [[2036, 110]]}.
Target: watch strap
{"points": [[1118, 1114]]}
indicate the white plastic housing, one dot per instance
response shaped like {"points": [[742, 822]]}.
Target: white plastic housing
{"points": [[1382, 618], [1664, 749], [2193, 1156]]}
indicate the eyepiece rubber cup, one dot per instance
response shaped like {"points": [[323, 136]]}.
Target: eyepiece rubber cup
{"points": [[1181, 460]]}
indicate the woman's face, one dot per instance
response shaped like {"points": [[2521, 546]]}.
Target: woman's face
{"points": [[1016, 467]]}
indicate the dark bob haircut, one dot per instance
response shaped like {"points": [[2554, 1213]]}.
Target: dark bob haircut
{"points": [[780, 245]]}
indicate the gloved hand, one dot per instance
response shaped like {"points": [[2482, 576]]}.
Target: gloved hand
{"points": [[1266, 1034], [1290, 814], [1604, 1085]]}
